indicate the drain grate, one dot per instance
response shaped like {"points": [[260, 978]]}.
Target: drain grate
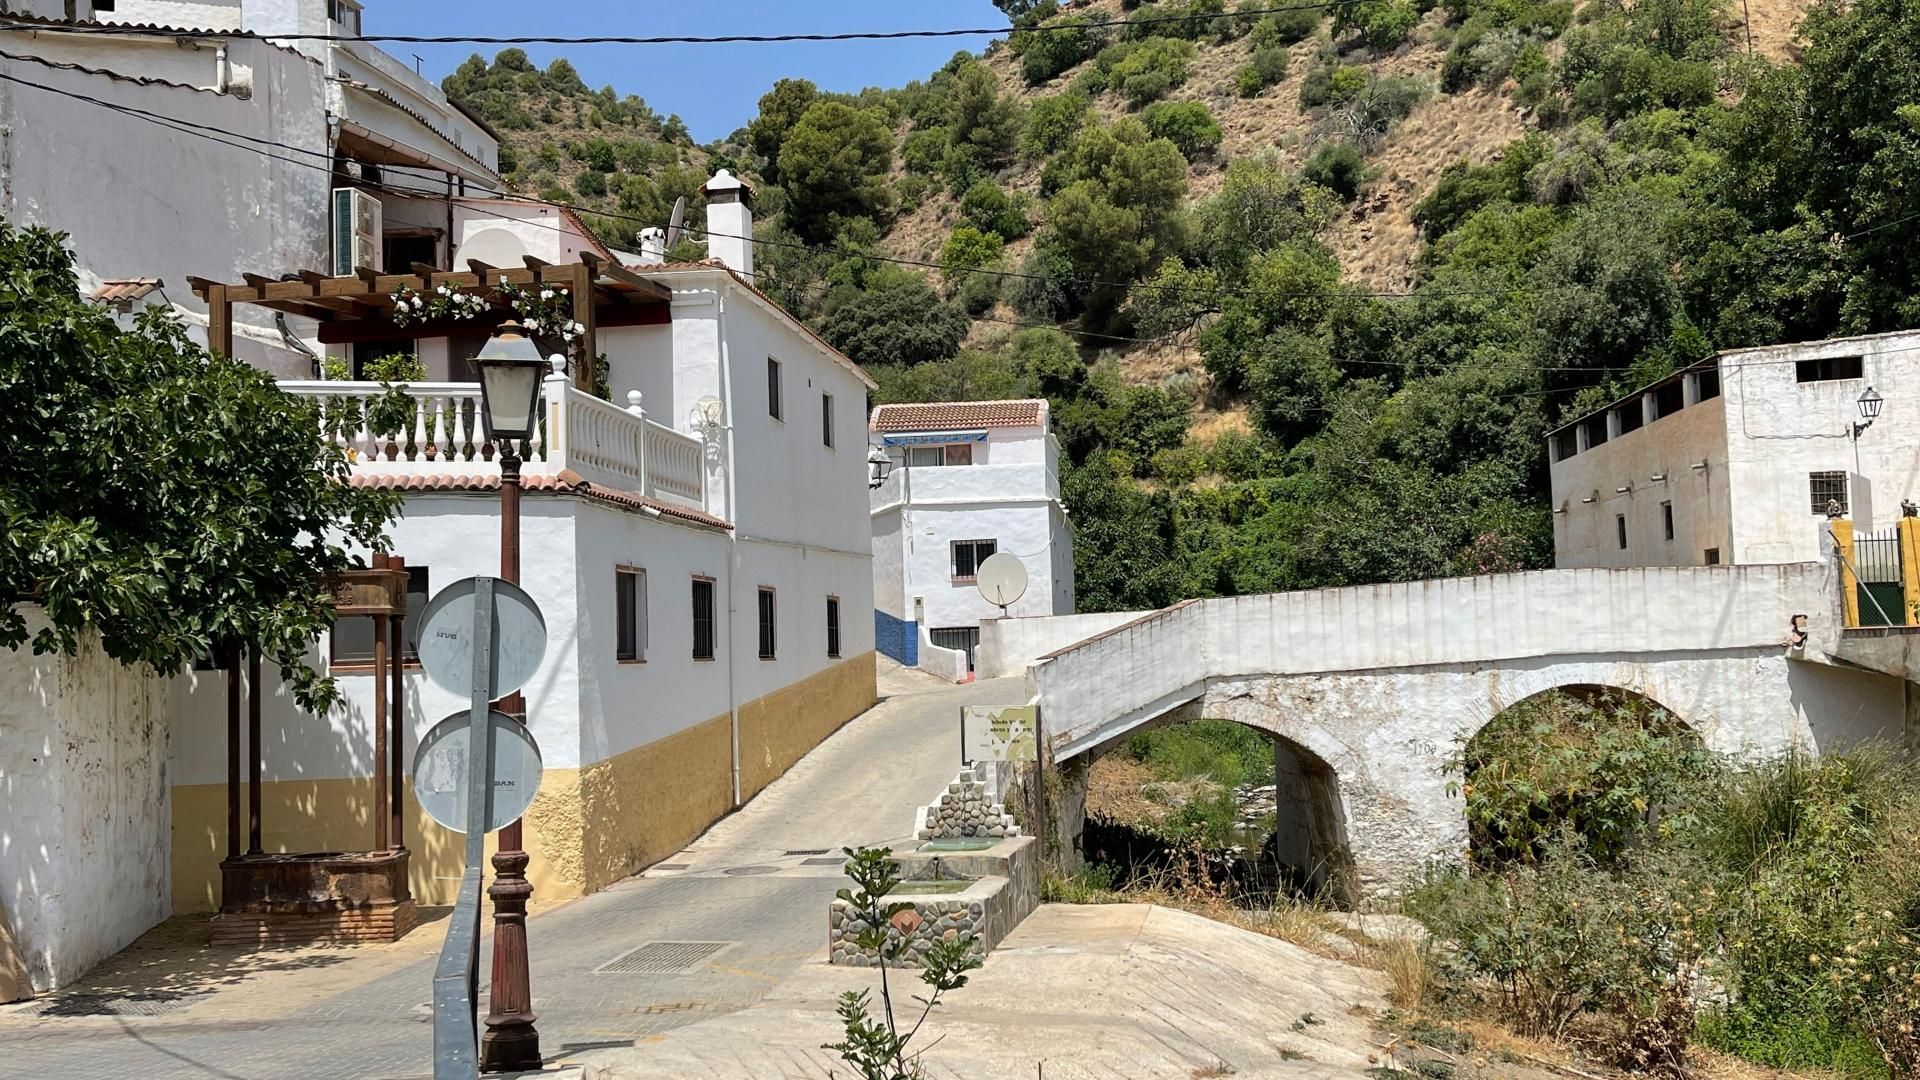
{"points": [[807, 851], [833, 860], [671, 866], [136, 1004], [661, 958], [749, 871]]}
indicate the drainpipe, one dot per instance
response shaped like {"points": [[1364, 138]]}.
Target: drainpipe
{"points": [[733, 551], [222, 71]]}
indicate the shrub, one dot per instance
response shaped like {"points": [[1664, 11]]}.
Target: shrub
{"points": [[921, 150], [968, 249], [1291, 26], [1052, 122], [1046, 290], [1186, 124], [1147, 70], [1388, 25], [1066, 44], [979, 292], [1263, 69], [988, 208], [590, 183], [1328, 83], [1338, 167]]}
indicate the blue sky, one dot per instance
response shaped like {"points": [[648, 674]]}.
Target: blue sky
{"points": [[714, 88]]}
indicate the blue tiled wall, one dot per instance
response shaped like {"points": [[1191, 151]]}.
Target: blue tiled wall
{"points": [[898, 638]]}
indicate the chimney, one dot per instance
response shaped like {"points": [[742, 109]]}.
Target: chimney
{"points": [[730, 221], [653, 246]]}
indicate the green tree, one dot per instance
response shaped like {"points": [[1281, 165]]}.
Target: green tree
{"points": [[985, 121], [896, 318], [968, 249], [1052, 122], [176, 500], [780, 111], [990, 209], [1186, 124], [834, 164]]}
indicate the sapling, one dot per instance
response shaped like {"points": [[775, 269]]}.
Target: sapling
{"points": [[875, 1046]]}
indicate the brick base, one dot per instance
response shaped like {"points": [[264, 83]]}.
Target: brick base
{"points": [[389, 922]]}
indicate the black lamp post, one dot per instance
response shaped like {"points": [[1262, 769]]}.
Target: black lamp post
{"points": [[1869, 403], [511, 370], [879, 465]]}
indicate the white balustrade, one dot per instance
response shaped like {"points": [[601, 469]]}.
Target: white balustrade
{"points": [[441, 432]]}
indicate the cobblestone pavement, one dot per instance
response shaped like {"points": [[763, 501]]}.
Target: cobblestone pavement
{"points": [[363, 1013]]}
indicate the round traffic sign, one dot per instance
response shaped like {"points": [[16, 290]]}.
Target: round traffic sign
{"points": [[446, 638], [1001, 578], [440, 771]]}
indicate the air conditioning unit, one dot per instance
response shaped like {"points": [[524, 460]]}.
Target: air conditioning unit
{"points": [[356, 231]]}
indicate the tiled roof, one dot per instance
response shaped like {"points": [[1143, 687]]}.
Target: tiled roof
{"points": [[716, 265], [939, 416], [567, 482], [381, 95], [124, 290]]}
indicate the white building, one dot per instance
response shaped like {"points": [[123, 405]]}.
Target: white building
{"points": [[1739, 458], [695, 545], [186, 144], [969, 480]]}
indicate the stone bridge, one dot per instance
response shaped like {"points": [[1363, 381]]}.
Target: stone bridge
{"points": [[1368, 690]]}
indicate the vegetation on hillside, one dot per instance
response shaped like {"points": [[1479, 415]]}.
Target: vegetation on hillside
{"points": [[1076, 229]]}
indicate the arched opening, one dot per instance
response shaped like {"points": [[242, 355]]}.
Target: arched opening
{"points": [[1587, 764], [1258, 816]]}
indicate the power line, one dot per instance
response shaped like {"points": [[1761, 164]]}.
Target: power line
{"points": [[111, 29]]}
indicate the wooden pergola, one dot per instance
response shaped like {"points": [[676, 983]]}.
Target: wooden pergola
{"points": [[360, 307]]}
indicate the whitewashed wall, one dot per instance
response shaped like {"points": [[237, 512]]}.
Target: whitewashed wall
{"points": [[84, 808], [1023, 530], [1779, 430], [1007, 646], [141, 200], [1587, 533]]}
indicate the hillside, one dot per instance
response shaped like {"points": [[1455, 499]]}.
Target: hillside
{"points": [[1307, 287]]}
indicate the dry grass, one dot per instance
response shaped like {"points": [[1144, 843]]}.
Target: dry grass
{"points": [[1405, 963]]}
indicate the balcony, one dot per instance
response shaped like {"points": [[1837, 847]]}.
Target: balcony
{"points": [[441, 435], [1022, 482]]}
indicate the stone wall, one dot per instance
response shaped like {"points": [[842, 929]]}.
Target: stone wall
{"points": [[966, 808], [964, 915]]}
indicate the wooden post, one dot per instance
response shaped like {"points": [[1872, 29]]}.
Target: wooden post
{"points": [[1842, 530], [396, 741], [219, 327], [1909, 532], [380, 725], [587, 348], [253, 748], [233, 750]]}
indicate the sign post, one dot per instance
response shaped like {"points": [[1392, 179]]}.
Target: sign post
{"points": [[1008, 733], [484, 638]]}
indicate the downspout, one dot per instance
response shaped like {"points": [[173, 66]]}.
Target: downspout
{"points": [[222, 72], [733, 552]]}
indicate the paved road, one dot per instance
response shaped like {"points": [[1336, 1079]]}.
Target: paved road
{"points": [[745, 892]]}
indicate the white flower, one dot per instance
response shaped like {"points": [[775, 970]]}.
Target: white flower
{"points": [[577, 328], [546, 294], [533, 325], [446, 291]]}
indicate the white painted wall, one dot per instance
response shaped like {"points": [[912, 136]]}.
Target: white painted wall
{"points": [[1780, 429], [141, 200], [1007, 646], [84, 807], [1759, 440], [186, 14]]}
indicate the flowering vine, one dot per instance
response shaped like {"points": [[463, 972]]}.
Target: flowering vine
{"points": [[446, 302], [548, 311]]}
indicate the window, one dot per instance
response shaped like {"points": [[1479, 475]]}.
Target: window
{"points": [[630, 618], [1711, 556], [1708, 382], [1565, 445], [826, 420], [767, 641], [1829, 368], [1669, 398], [1824, 489], [1620, 528], [1630, 416], [703, 618], [1666, 518], [968, 555], [1596, 429], [352, 638], [951, 454], [103, 5], [773, 389], [833, 627]]}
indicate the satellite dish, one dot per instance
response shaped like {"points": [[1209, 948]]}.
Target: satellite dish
{"points": [[675, 221], [1002, 579]]}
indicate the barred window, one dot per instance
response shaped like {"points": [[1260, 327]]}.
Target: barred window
{"points": [[1827, 490]]}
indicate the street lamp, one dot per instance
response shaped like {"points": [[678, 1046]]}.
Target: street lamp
{"points": [[1869, 403], [511, 370], [879, 465]]}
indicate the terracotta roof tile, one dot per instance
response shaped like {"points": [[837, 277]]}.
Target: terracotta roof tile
{"points": [[124, 290], [567, 482], [939, 416]]}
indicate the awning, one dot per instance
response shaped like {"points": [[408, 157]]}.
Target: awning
{"points": [[936, 438]]}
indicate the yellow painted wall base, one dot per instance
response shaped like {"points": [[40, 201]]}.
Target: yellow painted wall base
{"points": [[586, 829], [778, 729]]}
